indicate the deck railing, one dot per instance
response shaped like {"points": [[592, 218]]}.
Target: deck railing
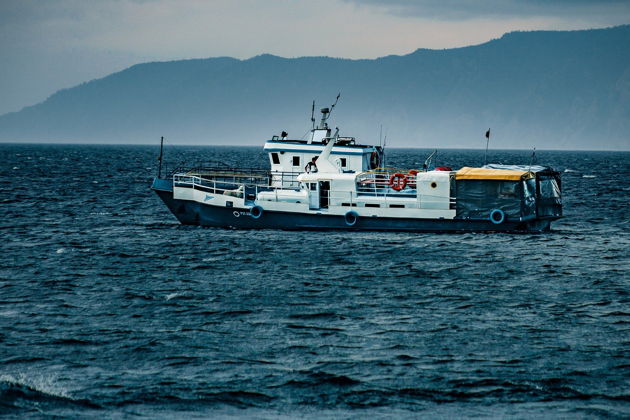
{"points": [[221, 179], [247, 183], [377, 182]]}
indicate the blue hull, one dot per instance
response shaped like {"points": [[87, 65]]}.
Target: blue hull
{"points": [[194, 213]]}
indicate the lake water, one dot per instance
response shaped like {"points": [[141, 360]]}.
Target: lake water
{"points": [[110, 308]]}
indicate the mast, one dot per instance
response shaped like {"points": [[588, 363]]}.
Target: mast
{"points": [[160, 157], [323, 125]]}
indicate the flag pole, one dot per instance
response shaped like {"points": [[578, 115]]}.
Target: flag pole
{"points": [[485, 159], [160, 157]]}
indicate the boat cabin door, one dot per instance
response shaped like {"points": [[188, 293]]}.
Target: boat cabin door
{"points": [[324, 194], [318, 195], [313, 195]]}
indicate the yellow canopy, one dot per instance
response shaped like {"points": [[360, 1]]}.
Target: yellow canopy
{"points": [[491, 174]]}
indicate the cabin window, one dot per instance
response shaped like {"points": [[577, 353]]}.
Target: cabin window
{"points": [[344, 164], [275, 159], [349, 204], [508, 189], [296, 161], [313, 186], [396, 206], [372, 205]]}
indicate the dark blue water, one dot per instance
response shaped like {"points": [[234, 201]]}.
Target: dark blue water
{"points": [[110, 308]]}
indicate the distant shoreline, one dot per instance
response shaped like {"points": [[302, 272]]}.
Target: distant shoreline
{"points": [[245, 146]]}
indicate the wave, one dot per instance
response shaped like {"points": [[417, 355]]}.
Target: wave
{"points": [[22, 359], [234, 398], [23, 392], [138, 308], [315, 315]]}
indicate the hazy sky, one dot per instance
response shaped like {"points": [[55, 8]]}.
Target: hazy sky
{"points": [[46, 45]]}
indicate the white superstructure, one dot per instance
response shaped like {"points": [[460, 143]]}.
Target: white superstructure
{"points": [[332, 182]]}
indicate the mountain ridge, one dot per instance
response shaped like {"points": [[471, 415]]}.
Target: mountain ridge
{"points": [[560, 89]]}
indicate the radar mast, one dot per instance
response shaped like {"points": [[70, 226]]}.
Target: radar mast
{"points": [[322, 131]]}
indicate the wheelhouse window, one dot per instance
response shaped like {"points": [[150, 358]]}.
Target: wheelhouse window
{"points": [[344, 164], [296, 161], [275, 159]]}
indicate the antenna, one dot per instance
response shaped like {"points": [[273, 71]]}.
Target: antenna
{"points": [[380, 137], [313, 115], [333, 105], [383, 149], [427, 162], [326, 114], [533, 160]]}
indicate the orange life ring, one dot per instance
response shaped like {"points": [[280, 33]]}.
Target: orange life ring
{"points": [[398, 181]]}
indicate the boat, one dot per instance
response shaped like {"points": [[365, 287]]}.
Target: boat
{"points": [[325, 181]]}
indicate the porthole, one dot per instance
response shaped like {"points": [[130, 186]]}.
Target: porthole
{"points": [[434, 184]]}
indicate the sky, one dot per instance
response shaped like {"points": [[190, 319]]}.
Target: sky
{"points": [[47, 45]]}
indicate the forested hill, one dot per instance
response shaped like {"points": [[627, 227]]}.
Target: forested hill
{"points": [[544, 89]]}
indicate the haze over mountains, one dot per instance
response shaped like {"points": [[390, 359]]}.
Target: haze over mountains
{"points": [[544, 89]]}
